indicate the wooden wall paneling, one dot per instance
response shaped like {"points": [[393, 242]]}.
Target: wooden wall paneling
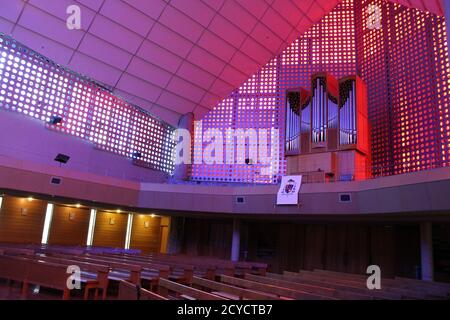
{"points": [[407, 252], [259, 242], [69, 225], [314, 247], [145, 233], [204, 245], [336, 247], [107, 234], [441, 251], [290, 246], [357, 249], [220, 238], [21, 220], [208, 237], [266, 243], [191, 235], [165, 230], [382, 245]]}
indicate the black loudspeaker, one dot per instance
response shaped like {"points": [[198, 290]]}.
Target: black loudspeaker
{"points": [[62, 158]]}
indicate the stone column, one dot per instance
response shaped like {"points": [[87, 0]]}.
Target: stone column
{"points": [[236, 240]]}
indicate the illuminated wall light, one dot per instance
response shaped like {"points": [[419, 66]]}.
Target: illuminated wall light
{"points": [[47, 223], [91, 228], [129, 229], [1, 201], [30, 199]]}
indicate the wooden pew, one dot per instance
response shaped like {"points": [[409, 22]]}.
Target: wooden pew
{"points": [[12, 250], [150, 273], [93, 276], [13, 268], [149, 295], [46, 274], [178, 272], [431, 287], [402, 292], [230, 292], [182, 271], [295, 277], [388, 285], [128, 291], [166, 286], [320, 290], [240, 266], [428, 289], [205, 268], [201, 268], [119, 271], [267, 288]]}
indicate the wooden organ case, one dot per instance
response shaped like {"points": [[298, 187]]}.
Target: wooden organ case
{"points": [[327, 130]]}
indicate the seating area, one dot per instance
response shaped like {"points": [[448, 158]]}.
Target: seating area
{"points": [[107, 273]]}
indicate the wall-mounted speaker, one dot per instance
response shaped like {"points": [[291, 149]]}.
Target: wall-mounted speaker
{"points": [[240, 200], [345, 197], [55, 180]]}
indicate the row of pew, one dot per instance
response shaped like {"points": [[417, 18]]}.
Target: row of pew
{"points": [[101, 270], [128, 275]]}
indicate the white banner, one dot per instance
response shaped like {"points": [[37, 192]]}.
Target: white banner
{"points": [[289, 188]]}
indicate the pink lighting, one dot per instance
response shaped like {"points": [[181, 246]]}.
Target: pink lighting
{"points": [[406, 68], [37, 87]]}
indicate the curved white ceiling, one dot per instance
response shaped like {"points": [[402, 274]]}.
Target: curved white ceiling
{"points": [[167, 56]]}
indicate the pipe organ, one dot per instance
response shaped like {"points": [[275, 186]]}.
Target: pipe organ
{"points": [[323, 107], [297, 118], [353, 124], [329, 121], [347, 132]]}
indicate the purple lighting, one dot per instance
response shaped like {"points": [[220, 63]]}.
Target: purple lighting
{"points": [[37, 87]]}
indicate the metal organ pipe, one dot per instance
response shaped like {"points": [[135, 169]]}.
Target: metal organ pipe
{"points": [[354, 113], [347, 121], [324, 113], [297, 131], [320, 112], [292, 127], [293, 130], [313, 112], [288, 125], [349, 138], [313, 115], [297, 128]]}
